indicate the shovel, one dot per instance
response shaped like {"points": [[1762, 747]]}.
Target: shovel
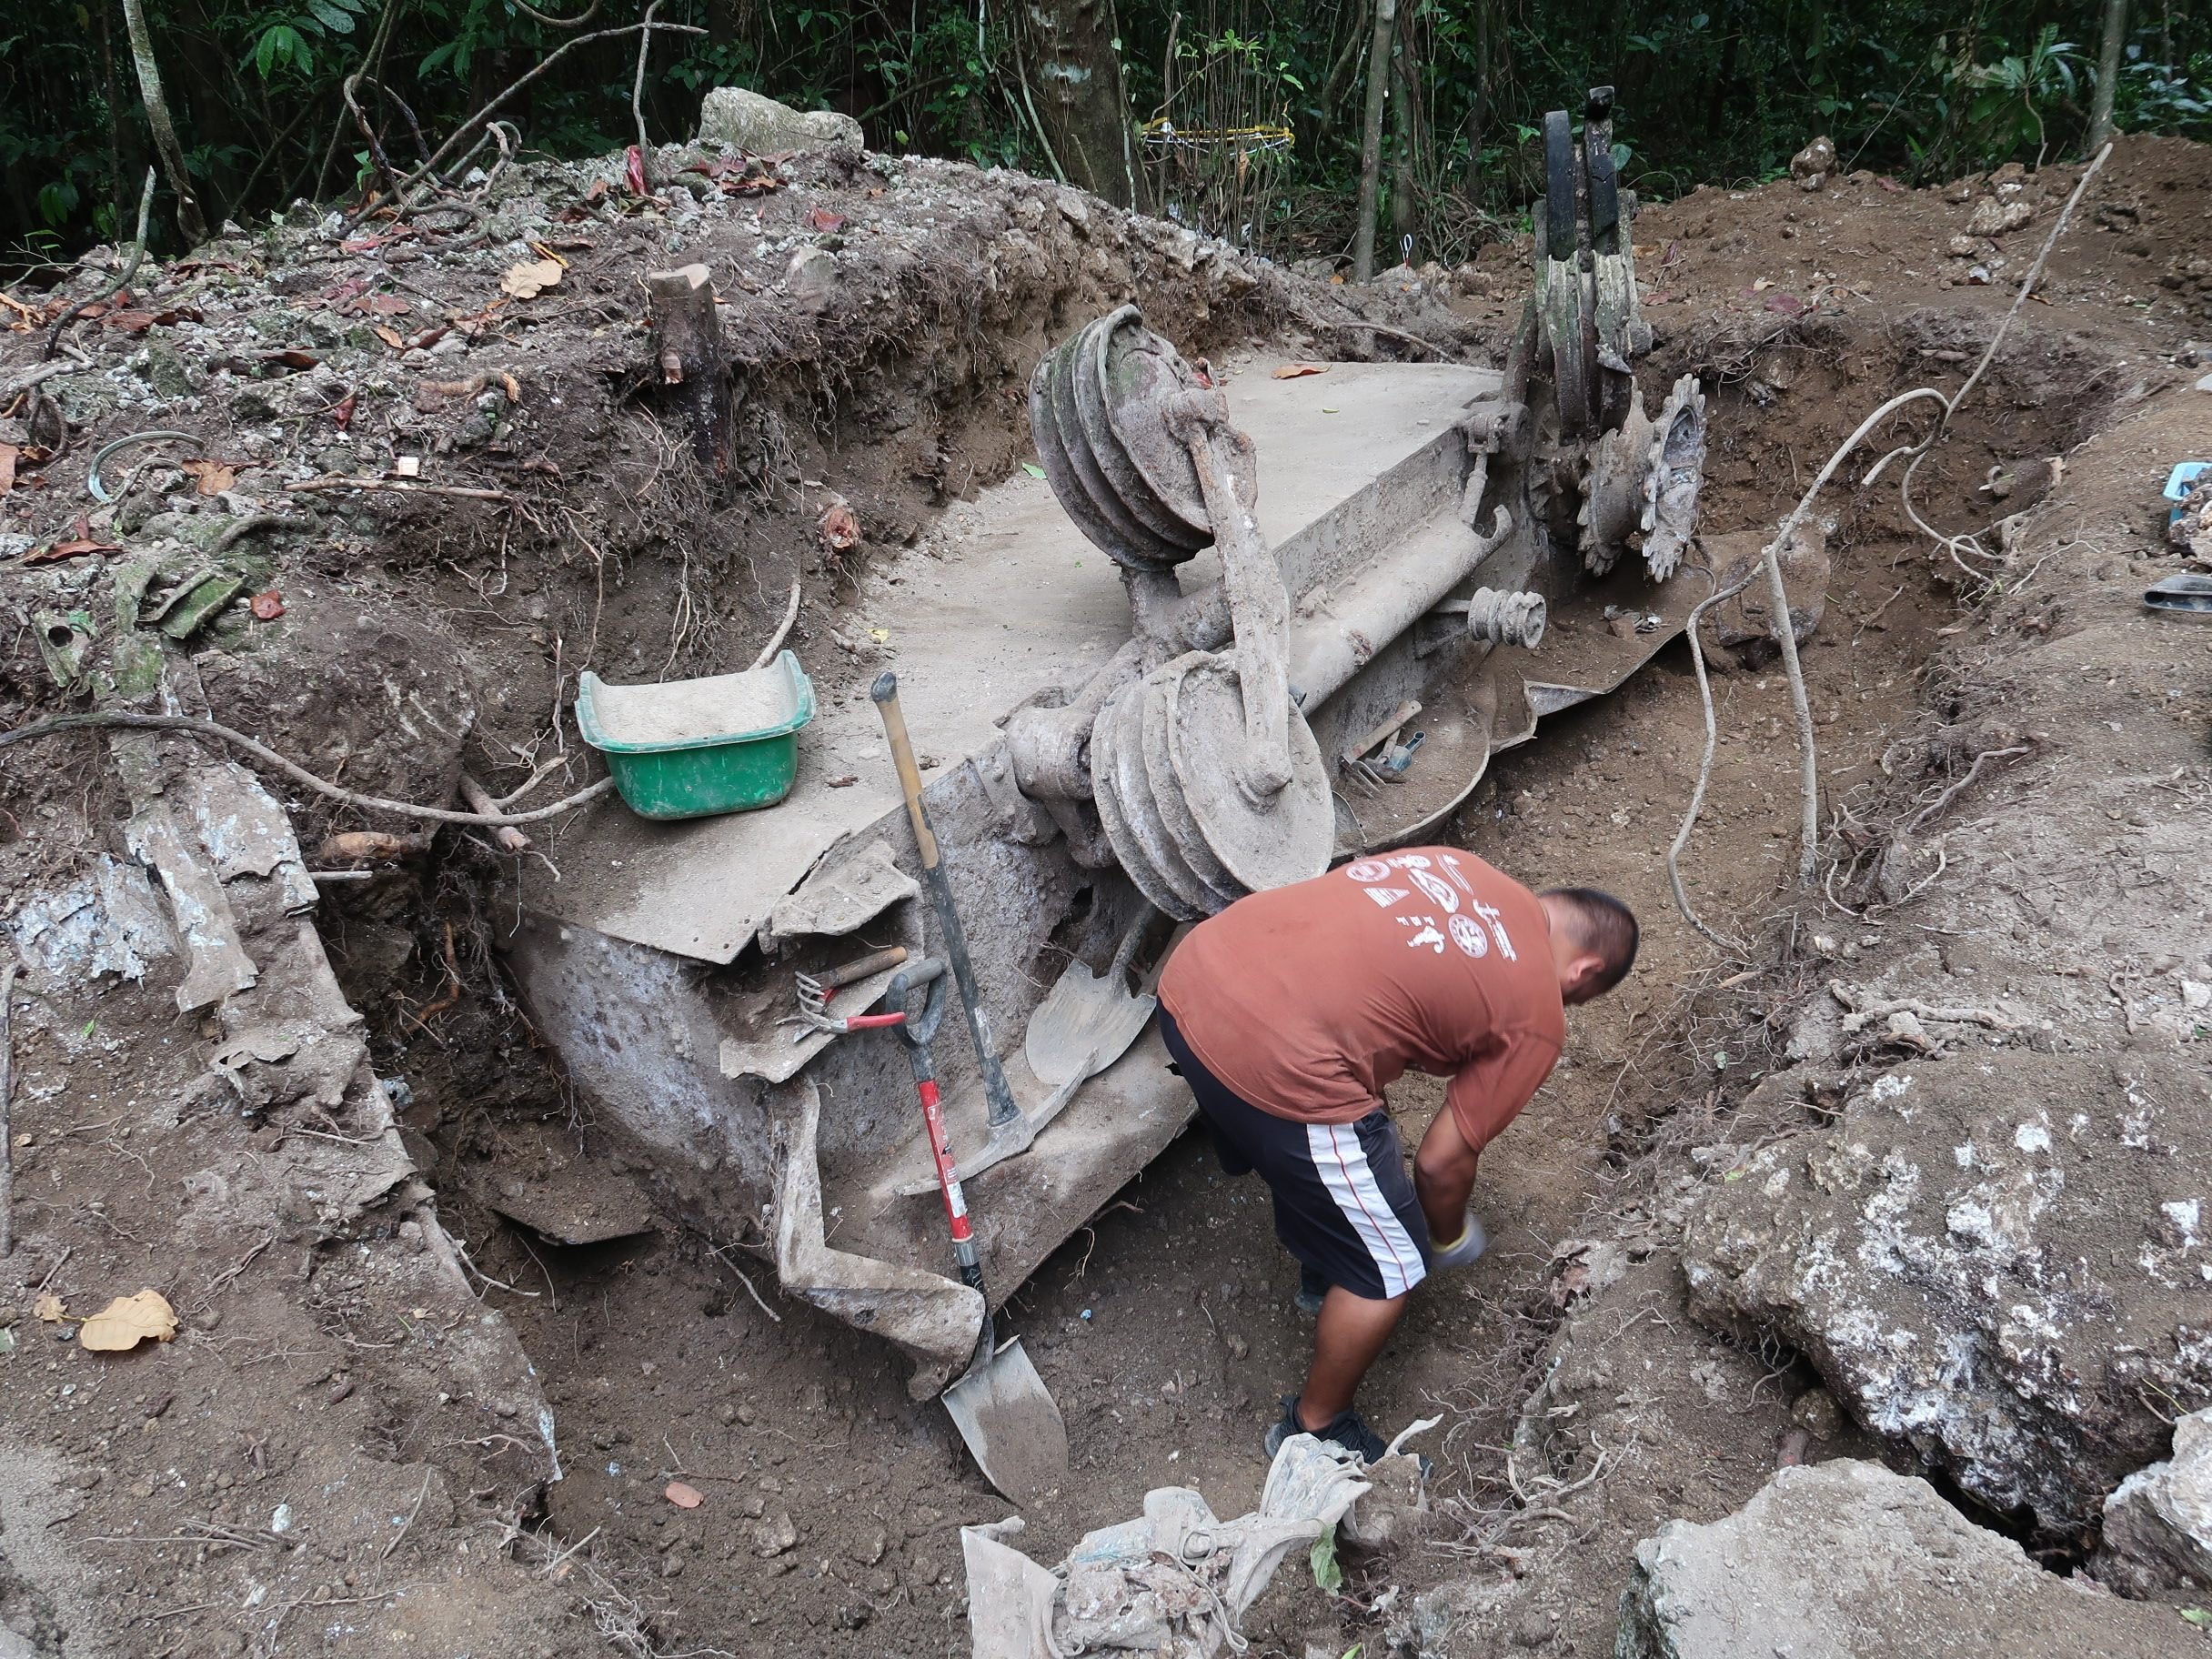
{"points": [[999, 1404], [1085, 1023]]}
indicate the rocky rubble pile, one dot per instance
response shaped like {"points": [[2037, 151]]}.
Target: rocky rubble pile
{"points": [[1998, 1260], [2158, 1523], [1848, 1561]]}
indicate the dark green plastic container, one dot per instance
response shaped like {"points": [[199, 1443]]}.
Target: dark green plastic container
{"points": [[699, 777]]}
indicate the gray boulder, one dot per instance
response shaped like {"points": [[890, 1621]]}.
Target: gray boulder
{"points": [[761, 127], [1999, 1260], [2158, 1521], [1848, 1560]]}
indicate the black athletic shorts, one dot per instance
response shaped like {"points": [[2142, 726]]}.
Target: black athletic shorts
{"points": [[1344, 1204]]}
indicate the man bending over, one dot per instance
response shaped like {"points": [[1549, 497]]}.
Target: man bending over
{"points": [[1290, 1011]]}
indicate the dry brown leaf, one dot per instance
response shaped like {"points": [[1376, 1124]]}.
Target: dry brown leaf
{"points": [[128, 1320], [267, 607], [530, 277], [391, 338], [378, 305], [77, 548], [681, 1495], [1298, 371], [8, 452], [840, 529], [49, 1308], [214, 477]]}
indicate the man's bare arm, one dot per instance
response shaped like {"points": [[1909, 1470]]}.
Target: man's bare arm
{"points": [[1443, 1175]]}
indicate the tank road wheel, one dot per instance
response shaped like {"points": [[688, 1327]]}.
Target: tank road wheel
{"points": [[1559, 206], [1570, 325], [1613, 278]]}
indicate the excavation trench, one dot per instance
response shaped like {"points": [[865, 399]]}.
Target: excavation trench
{"points": [[2010, 770], [1163, 1323]]}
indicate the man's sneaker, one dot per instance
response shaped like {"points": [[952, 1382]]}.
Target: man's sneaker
{"points": [[1312, 1289], [1465, 1248], [1349, 1429]]}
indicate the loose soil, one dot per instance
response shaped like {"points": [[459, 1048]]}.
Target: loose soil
{"points": [[330, 1371]]}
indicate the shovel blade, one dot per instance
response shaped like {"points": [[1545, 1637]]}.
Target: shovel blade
{"points": [[1014, 1429], [1082, 1026]]}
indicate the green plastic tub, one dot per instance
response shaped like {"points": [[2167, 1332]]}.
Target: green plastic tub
{"points": [[695, 748]]}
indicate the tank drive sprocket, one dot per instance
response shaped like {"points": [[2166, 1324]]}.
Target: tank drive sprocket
{"points": [[1673, 476]]}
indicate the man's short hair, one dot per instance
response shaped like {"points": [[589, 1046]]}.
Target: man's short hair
{"points": [[1603, 924]]}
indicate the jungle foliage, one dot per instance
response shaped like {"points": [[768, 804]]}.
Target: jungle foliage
{"points": [[1254, 106]]}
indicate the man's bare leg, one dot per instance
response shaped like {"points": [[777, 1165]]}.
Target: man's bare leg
{"points": [[1351, 1332], [1443, 1175]]}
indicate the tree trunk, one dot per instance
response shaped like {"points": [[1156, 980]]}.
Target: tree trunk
{"points": [[1332, 89], [1724, 81], [188, 219], [210, 99], [1371, 139], [726, 21], [1079, 101], [1404, 211], [693, 363], [2108, 72], [1476, 113], [116, 126]]}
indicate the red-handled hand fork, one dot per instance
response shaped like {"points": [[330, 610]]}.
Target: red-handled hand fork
{"points": [[816, 989]]}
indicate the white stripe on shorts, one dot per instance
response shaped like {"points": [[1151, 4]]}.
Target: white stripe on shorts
{"points": [[1335, 1151]]}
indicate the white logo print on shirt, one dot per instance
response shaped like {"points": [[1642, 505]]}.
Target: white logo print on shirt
{"points": [[1428, 935], [1438, 890], [1467, 934], [1497, 929]]}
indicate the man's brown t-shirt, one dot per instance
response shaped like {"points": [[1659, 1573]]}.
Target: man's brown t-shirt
{"points": [[1308, 1000]]}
